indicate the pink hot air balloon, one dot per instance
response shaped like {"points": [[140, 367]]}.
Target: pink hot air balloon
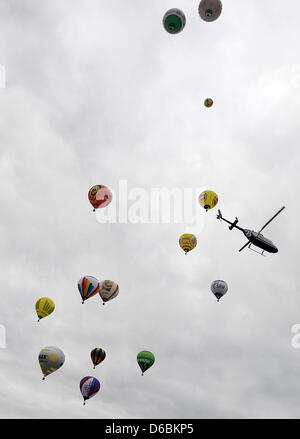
{"points": [[99, 196], [210, 10]]}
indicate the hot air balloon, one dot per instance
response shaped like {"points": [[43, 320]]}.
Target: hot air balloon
{"points": [[108, 290], [187, 242], [208, 102], [88, 286], [100, 196], [145, 360], [219, 288], [44, 307], [210, 10], [89, 386], [208, 199], [51, 358], [97, 356], [174, 21]]}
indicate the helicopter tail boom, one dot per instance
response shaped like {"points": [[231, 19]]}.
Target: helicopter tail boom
{"points": [[232, 225]]}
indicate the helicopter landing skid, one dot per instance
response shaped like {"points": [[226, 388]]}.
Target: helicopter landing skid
{"points": [[262, 253]]}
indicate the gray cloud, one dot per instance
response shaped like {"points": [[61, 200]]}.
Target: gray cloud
{"points": [[98, 92]]}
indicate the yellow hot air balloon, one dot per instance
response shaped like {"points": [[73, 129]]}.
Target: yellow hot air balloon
{"points": [[187, 242], [208, 199], [44, 306], [208, 102]]}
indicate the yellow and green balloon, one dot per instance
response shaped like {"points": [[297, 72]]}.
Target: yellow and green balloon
{"points": [[44, 307]]}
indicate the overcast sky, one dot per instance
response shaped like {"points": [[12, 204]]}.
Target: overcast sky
{"points": [[98, 92]]}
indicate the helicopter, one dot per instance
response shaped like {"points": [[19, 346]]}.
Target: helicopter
{"points": [[254, 238]]}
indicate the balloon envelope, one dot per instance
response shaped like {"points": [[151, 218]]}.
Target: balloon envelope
{"points": [[208, 102], [219, 288], [108, 290], [44, 307], [100, 196], [51, 358], [210, 10], [97, 356], [145, 360], [174, 21], [208, 199], [187, 242], [88, 286], [89, 386]]}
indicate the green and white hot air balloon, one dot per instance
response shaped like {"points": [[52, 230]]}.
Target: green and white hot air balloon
{"points": [[145, 360]]}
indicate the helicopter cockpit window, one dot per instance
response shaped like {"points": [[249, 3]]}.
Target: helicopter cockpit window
{"points": [[268, 240]]}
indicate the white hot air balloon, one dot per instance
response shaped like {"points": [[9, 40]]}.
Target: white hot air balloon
{"points": [[51, 358], [219, 288], [108, 290]]}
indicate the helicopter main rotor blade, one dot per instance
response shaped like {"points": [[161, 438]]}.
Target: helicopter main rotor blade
{"points": [[272, 218], [244, 246]]}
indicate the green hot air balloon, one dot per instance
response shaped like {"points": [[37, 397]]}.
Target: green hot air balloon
{"points": [[174, 21], [145, 360]]}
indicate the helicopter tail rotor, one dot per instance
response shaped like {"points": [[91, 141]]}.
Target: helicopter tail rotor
{"points": [[233, 224]]}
